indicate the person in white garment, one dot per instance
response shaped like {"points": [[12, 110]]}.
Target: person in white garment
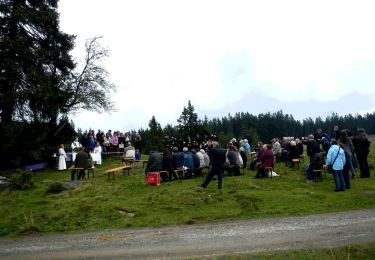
{"points": [[97, 154], [62, 158], [76, 146]]}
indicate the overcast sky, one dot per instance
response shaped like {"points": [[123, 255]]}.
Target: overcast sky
{"points": [[307, 58]]}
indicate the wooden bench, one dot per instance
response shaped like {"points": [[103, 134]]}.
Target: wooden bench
{"points": [[165, 173], [73, 171], [180, 173], [317, 175], [252, 154], [296, 161], [112, 153], [143, 162], [113, 170], [129, 161]]}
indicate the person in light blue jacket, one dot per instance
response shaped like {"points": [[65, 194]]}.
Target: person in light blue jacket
{"points": [[336, 158]]}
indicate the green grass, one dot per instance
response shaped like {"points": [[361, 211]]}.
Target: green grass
{"points": [[102, 203]]}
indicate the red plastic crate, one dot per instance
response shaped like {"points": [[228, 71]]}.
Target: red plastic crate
{"points": [[153, 178]]}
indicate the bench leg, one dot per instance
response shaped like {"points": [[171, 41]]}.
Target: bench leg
{"points": [[127, 169], [111, 173], [73, 175], [318, 176]]}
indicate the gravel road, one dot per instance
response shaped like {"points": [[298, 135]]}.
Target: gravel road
{"points": [[321, 230]]}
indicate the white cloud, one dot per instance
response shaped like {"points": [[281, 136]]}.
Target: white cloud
{"points": [[164, 53]]}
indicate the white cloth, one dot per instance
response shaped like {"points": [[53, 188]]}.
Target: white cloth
{"points": [[97, 155], [273, 174], [206, 159], [75, 146], [201, 159], [62, 160], [73, 156], [129, 152]]}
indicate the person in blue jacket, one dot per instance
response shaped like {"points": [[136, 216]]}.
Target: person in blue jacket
{"points": [[336, 158]]}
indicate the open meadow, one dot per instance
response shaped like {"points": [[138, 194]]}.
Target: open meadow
{"points": [[104, 203]]}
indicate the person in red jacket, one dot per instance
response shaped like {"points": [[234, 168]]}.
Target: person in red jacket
{"points": [[266, 160]]}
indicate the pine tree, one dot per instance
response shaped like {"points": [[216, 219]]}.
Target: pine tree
{"points": [[155, 135], [34, 56], [188, 123]]}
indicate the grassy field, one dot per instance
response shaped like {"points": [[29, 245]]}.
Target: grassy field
{"points": [[102, 203]]}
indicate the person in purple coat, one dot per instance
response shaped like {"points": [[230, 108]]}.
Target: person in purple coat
{"points": [[266, 160]]}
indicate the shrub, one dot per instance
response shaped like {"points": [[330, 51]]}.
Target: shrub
{"points": [[55, 187], [21, 179]]}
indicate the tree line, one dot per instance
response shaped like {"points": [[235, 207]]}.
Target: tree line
{"points": [[261, 127]]}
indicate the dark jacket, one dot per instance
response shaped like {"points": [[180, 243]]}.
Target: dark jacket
{"points": [[178, 160], [167, 161], [217, 158], [316, 162], [154, 163], [196, 160], [81, 160], [293, 153], [188, 160], [312, 147], [361, 145], [232, 157], [244, 157]]}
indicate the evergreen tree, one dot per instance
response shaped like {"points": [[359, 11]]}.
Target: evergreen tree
{"points": [[37, 77], [34, 56], [155, 134], [188, 123]]}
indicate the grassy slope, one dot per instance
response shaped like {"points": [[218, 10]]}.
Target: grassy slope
{"points": [[104, 204]]}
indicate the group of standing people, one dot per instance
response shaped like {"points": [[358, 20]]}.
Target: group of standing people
{"points": [[344, 153], [341, 156]]}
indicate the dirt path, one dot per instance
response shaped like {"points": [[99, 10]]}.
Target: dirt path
{"points": [[323, 230]]}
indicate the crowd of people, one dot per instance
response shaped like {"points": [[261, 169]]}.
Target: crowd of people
{"points": [[94, 145], [342, 152], [184, 160]]}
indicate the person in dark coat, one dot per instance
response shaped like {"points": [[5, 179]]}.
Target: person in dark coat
{"points": [[81, 161], [178, 161], [232, 168], [155, 161], [243, 156], [293, 153], [188, 163], [167, 166], [196, 161], [138, 142], [316, 163], [312, 146], [178, 158], [217, 160], [361, 145]]}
